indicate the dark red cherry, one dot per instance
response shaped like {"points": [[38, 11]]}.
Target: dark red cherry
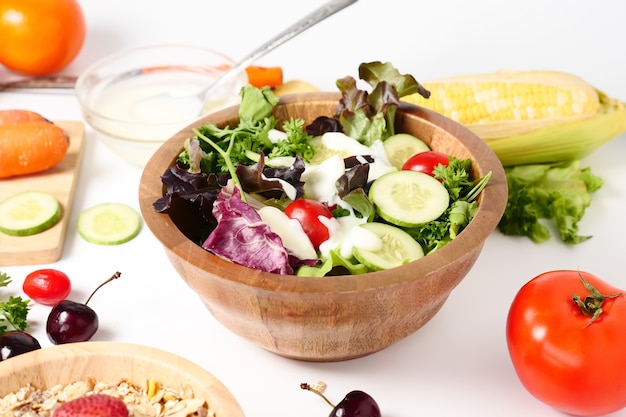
{"points": [[70, 321], [15, 342], [356, 404]]}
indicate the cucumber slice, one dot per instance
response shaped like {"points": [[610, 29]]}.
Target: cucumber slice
{"points": [[409, 198], [401, 146], [278, 162], [398, 248], [109, 224], [29, 213], [323, 152]]}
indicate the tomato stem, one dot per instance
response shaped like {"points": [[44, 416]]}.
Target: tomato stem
{"points": [[591, 306]]}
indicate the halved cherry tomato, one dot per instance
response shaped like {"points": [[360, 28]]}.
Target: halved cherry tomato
{"points": [[308, 213], [570, 356], [426, 162], [47, 286]]}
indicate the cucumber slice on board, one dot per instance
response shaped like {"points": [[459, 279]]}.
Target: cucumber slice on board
{"points": [[29, 213], [109, 223], [401, 146], [409, 198], [398, 248]]}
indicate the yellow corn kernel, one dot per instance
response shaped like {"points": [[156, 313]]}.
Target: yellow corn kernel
{"points": [[496, 101], [503, 103], [529, 116]]}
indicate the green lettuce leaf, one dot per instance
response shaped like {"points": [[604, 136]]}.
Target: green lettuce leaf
{"points": [[335, 262], [559, 192], [370, 116], [256, 103]]}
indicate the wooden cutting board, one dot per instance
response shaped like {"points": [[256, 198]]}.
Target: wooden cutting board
{"points": [[60, 180]]}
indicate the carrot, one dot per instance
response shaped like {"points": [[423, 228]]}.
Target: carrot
{"points": [[19, 116], [264, 76], [30, 147]]}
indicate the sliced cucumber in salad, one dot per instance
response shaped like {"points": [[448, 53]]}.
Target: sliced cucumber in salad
{"points": [[401, 146], [29, 213], [278, 162], [409, 198], [398, 248]]}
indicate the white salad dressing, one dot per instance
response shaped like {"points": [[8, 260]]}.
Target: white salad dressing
{"points": [[346, 234], [340, 142], [289, 189], [275, 135], [320, 180], [156, 104], [290, 232]]}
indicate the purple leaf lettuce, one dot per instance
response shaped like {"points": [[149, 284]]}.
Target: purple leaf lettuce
{"points": [[241, 236]]}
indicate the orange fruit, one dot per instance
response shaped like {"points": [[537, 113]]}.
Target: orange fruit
{"points": [[40, 37]]}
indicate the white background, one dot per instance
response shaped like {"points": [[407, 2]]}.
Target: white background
{"points": [[457, 365]]}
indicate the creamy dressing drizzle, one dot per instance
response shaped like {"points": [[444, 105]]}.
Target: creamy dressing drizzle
{"points": [[346, 234], [320, 184]]}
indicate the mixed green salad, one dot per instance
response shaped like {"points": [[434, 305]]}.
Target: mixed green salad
{"points": [[343, 194]]}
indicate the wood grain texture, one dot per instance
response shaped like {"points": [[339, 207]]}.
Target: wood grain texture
{"points": [[60, 180], [329, 318], [111, 362]]}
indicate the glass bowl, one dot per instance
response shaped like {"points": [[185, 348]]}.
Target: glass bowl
{"points": [[136, 99]]}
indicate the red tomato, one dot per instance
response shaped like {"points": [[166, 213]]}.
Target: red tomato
{"points": [[426, 162], [564, 358], [47, 286], [308, 212]]}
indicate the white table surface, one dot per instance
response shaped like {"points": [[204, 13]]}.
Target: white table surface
{"points": [[457, 365]]}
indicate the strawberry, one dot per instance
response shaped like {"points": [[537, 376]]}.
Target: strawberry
{"points": [[96, 405]]}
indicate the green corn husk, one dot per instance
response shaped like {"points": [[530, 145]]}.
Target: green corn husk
{"points": [[563, 142]]}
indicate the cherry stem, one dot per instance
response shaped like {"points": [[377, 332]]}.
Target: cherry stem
{"points": [[307, 387], [114, 276], [591, 306]]}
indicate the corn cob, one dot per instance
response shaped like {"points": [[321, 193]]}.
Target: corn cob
{"points": [[529, 116]]}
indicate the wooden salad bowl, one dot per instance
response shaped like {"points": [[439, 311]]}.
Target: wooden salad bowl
{"points": [[111, 362], [330, 318]]}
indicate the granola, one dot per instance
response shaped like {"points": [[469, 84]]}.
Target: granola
{"points": [[153, 400]]}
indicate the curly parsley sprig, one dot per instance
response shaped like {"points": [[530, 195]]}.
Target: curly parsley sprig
{"points": [[463, 191], [14, 311]]}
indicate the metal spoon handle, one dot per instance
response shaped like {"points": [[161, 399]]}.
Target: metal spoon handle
{"points": [[316, 16]]}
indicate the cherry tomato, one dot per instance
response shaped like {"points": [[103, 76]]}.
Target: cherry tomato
{"points": [[308, 212], [426, 162], [47, 286], [561, 354]]}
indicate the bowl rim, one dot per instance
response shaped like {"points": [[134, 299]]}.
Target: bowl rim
{"points": [[87, 72], [491, 207], [196, 375]]}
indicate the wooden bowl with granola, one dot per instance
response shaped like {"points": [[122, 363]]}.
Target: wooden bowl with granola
{"points": [[150, 381]]}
